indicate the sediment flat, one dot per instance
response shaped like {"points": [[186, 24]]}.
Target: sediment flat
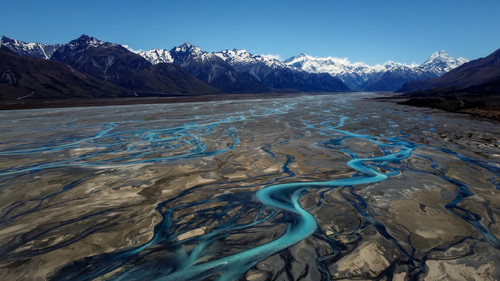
{"points": [[318, 187]]}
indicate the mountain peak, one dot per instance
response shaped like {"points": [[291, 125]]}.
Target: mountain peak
{"points": [[440, 62], [186, 45], [301, 55], [86, 41], [297, 58], [84, 37], [5, 38], [439, 54], [187, 48], [9, 41]]}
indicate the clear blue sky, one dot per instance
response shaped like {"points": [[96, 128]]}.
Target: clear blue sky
{"points": [[372, 31]]}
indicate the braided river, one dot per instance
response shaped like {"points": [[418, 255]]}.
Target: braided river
{"points": [[307, 187]]}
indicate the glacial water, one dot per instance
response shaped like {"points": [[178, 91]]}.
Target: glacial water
{"points": [[223, 186]]}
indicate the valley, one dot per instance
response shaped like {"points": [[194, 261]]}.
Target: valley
{"points": [[312, 187]]}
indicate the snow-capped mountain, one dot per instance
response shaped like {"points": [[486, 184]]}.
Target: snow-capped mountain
{"points": [[259, 66], [242, 59], [116, 64], [274, 73], [86, 42], [213, 70], [278, 74], [387, 77], [239, 70], [480, 77], [352, 74], [186, 53], [35, 50], [440, 62], [156, 56]]}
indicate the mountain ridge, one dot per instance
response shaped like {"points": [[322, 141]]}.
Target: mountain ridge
{"points": [[357, 76], [238, 70], [469, 74], [473, 87], [37, 78], [33, 49]]}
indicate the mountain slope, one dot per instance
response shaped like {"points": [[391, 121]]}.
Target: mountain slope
{"points": [[32, 78], [394, 75], [116, 64], [229, 70], [469, 75], [352, 74], [156, 56], [388, 77], [440, 62], [35, 50], [473, 88], [167, 78], [213, 70], [239, 71], [277, 75], [107, 61]]}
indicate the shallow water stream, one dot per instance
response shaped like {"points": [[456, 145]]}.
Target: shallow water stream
{"points": [[322, 187]]}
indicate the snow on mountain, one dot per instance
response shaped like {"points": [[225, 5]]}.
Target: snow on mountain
{"points": [[85, 42], [352, 74], [156, 56], [186, 53], [36, 50], [242, 58], [238, 70], [224, 68], [212, 69], [259, 66], [270, 70], [440, 63], [477, 78], [388, 76], [340, 66], [331, 65]]}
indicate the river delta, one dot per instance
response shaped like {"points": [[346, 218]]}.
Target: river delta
{"points": [[312, 187]]}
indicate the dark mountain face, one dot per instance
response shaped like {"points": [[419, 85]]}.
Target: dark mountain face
{"points": [[289, 79], [213, 70], [32, 78], [107, 61], [114, 63], [393, 80], [319, 82], [167, 78], [471, 75]]}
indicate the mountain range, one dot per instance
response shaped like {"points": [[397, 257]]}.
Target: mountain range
{"points": [[466, 78], [114, 63], [274, 73], [473, 87], [187, 69]]}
